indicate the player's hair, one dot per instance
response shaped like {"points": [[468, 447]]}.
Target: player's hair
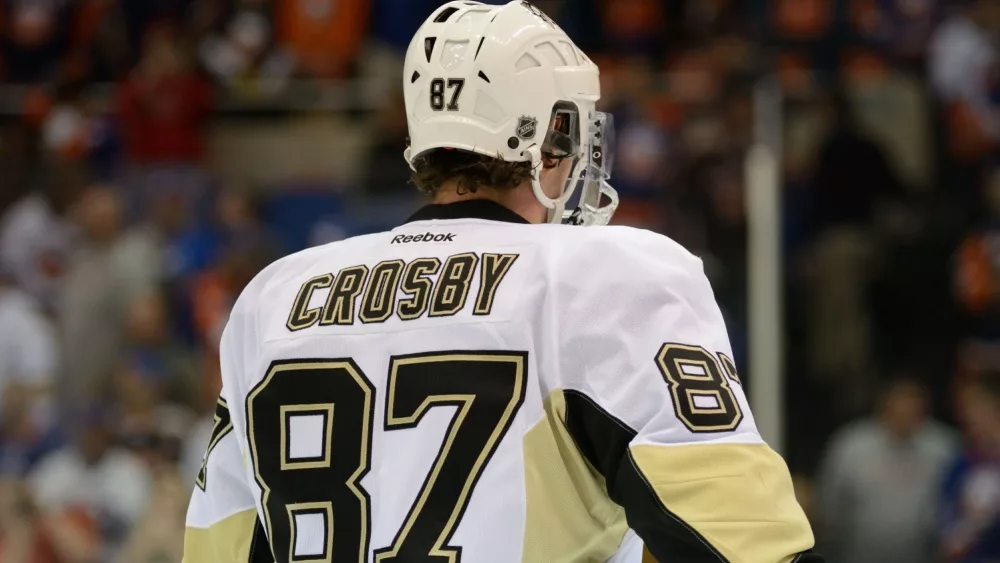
{"points": [[469, 170]]}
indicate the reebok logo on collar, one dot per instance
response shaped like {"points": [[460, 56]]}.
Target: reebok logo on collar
{"points": [[426, 237]]}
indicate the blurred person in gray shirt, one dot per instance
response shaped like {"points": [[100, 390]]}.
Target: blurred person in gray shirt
{"points": [[28, 350], [879, 479], [110, 269]]}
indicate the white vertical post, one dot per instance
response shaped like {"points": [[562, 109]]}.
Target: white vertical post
{"points": [[764, 260]]}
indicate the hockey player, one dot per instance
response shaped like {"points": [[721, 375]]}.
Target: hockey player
{"points": [[498, 379]]}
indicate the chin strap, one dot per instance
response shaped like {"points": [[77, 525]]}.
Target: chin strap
{"points": [[554, 207]]}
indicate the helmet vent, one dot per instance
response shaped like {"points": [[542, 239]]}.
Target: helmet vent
{"points": [[568, 49], [481, 39], [484, 77], [472, 16], [453, 54], [526, 62], [415, 76], [429, 47], [548, 52], [445, 14]]}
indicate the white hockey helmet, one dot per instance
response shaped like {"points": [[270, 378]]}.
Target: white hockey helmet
{"points": [[501, 81]]}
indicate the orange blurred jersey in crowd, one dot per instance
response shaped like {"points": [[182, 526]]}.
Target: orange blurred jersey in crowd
{"points": [[967, 139], [974, 277], [802, 19], [632, 17], [324, 35]]}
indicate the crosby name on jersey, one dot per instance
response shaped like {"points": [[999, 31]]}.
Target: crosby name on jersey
{"points": [[442, 296], [494, 392]]}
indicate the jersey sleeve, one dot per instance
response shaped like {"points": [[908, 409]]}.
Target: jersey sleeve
{"points": [[654, 403], [222, 523]]}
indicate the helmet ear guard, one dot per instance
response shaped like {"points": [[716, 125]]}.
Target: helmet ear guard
{"points": [[555, 206]]}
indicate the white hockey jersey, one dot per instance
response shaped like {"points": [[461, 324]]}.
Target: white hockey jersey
{"points": [[472, 388]]}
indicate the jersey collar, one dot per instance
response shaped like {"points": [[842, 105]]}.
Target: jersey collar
{"points": [[467, 209]]}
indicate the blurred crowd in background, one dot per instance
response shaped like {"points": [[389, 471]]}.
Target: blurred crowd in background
{"points": [[155, 154]]}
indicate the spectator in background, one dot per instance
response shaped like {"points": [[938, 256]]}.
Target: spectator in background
{"points": [[144, 411], [633, 26], [644, 148], [37, 37], [844, 202], [643, 172], [36, 236], [107, 483], [977, 268], [20, 148], [386, 171], [154, 424], [164, 104], [324, 36], [239, 220], [900, 28], [29, 537], [94, 299], [27, 351], [158, 536], [215, 291], [152, 351], [847, 196], [25, 439], [104, 53], [878, 482], [971, 494], [964, 67], [242, 53], [141, 15], [66, 127], [710, 219], [169, 227], [28, 356]]}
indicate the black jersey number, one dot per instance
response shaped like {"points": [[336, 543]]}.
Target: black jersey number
{"points": [[294, 417], [437, 93], [315, 508], [703, 398]]}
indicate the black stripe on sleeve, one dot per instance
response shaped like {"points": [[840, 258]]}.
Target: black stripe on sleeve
{"points": [[260, 549], [603, 440]]}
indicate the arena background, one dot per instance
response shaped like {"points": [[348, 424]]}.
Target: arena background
{"points": [[833, 162]]}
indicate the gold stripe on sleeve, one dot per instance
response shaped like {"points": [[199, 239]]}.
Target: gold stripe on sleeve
{"points": [[569, 515], [226, 541], [739, 497]]}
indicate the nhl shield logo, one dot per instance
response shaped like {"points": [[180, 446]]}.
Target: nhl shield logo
{"points": [[526, 127]]}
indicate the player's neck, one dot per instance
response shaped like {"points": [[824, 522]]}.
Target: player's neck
{"points": [[520, 200]]}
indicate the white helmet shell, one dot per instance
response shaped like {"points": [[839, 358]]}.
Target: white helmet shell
{"points": [[485, 79]]}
